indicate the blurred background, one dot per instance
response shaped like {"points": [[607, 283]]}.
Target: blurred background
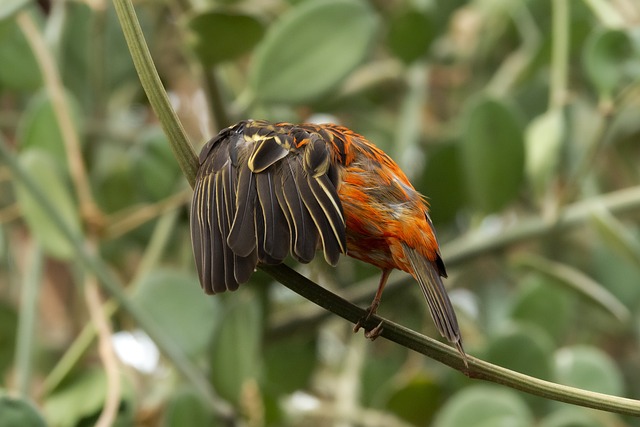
{"points": [[520, 120]]}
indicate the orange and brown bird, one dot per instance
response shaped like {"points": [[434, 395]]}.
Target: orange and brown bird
{"points": [[265, 191]]}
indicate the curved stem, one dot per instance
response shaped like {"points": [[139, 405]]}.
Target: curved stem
{"points": [[111, 285], [152, 85], [315, 293], [448, 355]]}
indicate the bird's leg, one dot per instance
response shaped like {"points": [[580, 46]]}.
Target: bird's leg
{"points": [[375, 332]]}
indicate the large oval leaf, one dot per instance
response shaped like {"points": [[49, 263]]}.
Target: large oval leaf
{"points": [[492, 154], [410, 34], [605, 55], [522, 348], [80, 401], [542, 303], [415, 399], [186, 408], [9, 7], [38, 127], [221, 35], [45, 173], [18, 412], [19, 68], [179, 307], [443, 183], [484, 405], [588, 368], [156, 169], [312, 49], [236, 348]]}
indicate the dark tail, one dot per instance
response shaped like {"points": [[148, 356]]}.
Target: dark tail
{"points": [[426, 273]]}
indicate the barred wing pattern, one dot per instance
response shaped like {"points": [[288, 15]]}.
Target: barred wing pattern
{"points": [[265, 191]]}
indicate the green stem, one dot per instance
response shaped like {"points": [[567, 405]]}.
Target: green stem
{"points": [[114, 288], [83, 341], [480, 243], [152, 85], [471, 246], [339, 306], [448, 355], [27, 321], [219, 112], [559, 53]]}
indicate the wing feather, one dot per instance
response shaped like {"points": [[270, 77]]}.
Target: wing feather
{"points": [[264, 191], [275, 239]]}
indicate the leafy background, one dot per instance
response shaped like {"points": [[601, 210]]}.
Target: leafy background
{"points": [[506, 114]]}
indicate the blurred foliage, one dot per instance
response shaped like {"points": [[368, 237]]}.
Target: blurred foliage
{"points": [[496, 114]]}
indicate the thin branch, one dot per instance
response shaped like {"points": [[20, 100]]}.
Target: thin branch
{"points": [[62, 111], [152, 85], [106, 351], [111, 284], [470, 247], [448, 355], [339, 306], [558, 88], [27, 320]]}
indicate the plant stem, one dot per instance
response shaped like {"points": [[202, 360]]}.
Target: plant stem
{"points": [[114, 288], [559, 53], [53, 83], [152, 85], [448, 355], [27, 320]]}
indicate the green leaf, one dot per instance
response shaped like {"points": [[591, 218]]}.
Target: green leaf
{"points": [[19, 70], [18, 412], [45, 172], [573, 278], [492, 154], [186, 408], [410, 35], [10, 7], [484, 405], [39, 129], [542, 303], [235, 352], [615, 235], [416, 400], [543, 139], [588, 368], [311, 49], [289, 363], [571, 417], [221, 35], [177, 304], [113, 177], [443, 184], [522, 348], [604, 57], [80, 402], [156, 170], [8, 332]]}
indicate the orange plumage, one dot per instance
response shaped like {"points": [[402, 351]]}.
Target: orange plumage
{"points": [[265, 191]]}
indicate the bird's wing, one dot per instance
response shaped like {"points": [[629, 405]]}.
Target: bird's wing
{"points": [[440, 308], [263, 191]]}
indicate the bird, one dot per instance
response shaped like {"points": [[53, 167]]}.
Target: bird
{"points": [[265, 191]]}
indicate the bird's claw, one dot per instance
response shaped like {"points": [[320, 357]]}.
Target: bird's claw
{"points": [[375, 332]]}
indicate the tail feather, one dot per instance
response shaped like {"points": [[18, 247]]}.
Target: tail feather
{"points": [[440, 308]]}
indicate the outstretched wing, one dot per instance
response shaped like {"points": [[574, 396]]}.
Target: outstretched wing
{"points": [[263, 192]]}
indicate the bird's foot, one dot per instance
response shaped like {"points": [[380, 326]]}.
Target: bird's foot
{"points": [[373, 333]]}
